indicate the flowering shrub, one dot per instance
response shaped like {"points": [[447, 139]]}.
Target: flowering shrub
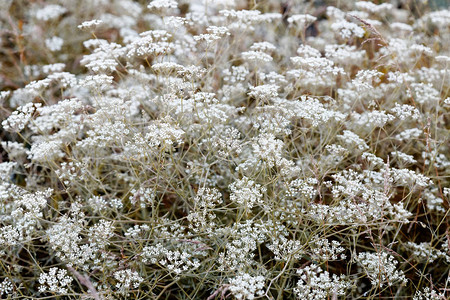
{"points": [[224, 149]]}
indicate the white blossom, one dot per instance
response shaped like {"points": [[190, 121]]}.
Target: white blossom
{"points": [[381, 268], [56, 281], [89, 25], [246, 286], [50, 12]]}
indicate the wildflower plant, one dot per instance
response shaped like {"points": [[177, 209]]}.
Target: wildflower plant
{"points": [[224, 149]]}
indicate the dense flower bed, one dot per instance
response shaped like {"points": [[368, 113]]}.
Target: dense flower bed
{"points": [[213, 149]]}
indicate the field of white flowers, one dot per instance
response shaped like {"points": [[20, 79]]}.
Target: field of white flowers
{"points": [[222, 149]]}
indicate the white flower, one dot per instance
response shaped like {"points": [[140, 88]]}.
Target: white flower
{"points": [[401, 26], [160, 4], [264, 93], [301, 20], [54, 43], [286, 249], [403, 157], [324, 250], [381, 268], [316, 284], [246, 286], [177, 261], [427, 294], [90, 25], [56, 281], [45, 151], [246, 192], [373, 8], [100, 82], [6, 287], [52, 68], [127, 279], [263, 46], [101, 232], [269, 149], [50, 12], [256, 57], [20, 118], [347, 29], [352, 139], [404, 112]]}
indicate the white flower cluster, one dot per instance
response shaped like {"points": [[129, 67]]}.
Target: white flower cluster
{"points": [[263, 46], [373, 159], [372, 119], [14, 150], [127, 279], [54, 43], [436, 159], [214, 34], [89, 25], [404, 112], [317, 284], [352, 139], [46, 151], [424, 252], [381, 268], [433, 202], [373, 8], [100, 204], [50, 12], [137, 231], [153, 42], [201, 215], [425, 94], [409, 134], [312, 70], [312, 111], [246, 193], [20, 117], [144, 196], [364, 79], [264, 93], [162, 4], [97, 82], [303, 188], [301, 20], [325, 251], [344, 54], [6, 287], [403, 157], [177, 261], [269, 149], [101, 233], [356, 201], [406, 177], [169, 147], [256, 57], [55, 281], [286, 249], [246, 286], [67, 243], [104, 58], [347, 29], [226, 140], [25, 213], [244, 239], [428, 294]]}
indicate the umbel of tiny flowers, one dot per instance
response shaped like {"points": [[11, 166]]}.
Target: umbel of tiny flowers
{"points": [[55, 281], [89, 25]]}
